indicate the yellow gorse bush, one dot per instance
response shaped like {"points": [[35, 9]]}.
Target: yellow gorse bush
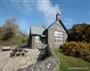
{"points": [[77, 49]]}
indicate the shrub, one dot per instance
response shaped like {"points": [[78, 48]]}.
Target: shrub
{"points": [[87, 58], [77, 49], [70, 48], [7, 34], [79, 32]]}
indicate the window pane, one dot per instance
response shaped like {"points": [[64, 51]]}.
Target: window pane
{"points": [[58, 37]]}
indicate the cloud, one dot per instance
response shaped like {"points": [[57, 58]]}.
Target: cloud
{"points": [[24, 6], [48, 10], [45, 7], [29, 7]]}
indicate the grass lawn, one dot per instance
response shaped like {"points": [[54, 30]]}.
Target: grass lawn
{"points": [[68, 62]]}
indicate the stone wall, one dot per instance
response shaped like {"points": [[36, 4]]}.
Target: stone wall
{"points": [[49, 64], [51, 36], [45, 62], [36, 44]]}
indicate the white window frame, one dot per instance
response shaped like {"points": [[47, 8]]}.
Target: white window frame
{"points": [[58, 37]]}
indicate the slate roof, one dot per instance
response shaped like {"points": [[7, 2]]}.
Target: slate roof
{"points": [[37, 30], [40, 30]]}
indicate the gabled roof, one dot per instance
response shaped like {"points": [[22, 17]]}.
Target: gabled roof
{"points": [[61, 24], [37, 30], [40, 30]]}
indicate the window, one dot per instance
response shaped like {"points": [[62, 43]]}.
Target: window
{"points": [[58, 37], [37, 39]]}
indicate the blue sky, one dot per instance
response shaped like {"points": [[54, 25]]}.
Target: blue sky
{"points": [[42, 12]]}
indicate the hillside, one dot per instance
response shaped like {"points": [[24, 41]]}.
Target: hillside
{"points": [[11, 35], [79, 32]]}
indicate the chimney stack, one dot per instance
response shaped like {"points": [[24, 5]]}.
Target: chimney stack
{"points": [[57, 16]]}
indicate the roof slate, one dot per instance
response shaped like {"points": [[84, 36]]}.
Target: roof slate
{"points": [[37, 30]]}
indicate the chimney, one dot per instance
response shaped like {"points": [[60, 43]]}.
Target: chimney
{"points": [[57, 16]]}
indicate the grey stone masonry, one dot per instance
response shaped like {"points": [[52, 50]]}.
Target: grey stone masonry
{"points": [[49, 64]]}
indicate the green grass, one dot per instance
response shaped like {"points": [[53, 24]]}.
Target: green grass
{"points": [[67, 62]]}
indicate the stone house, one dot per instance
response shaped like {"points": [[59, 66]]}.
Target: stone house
{"points": [[54, 35]]}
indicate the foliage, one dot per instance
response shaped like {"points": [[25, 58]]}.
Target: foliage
{"points": [[79, 32], [77, 49], [10, 34], [79, 42]]}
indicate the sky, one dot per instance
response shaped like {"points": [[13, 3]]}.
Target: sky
{"points": [[43, 12]]}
